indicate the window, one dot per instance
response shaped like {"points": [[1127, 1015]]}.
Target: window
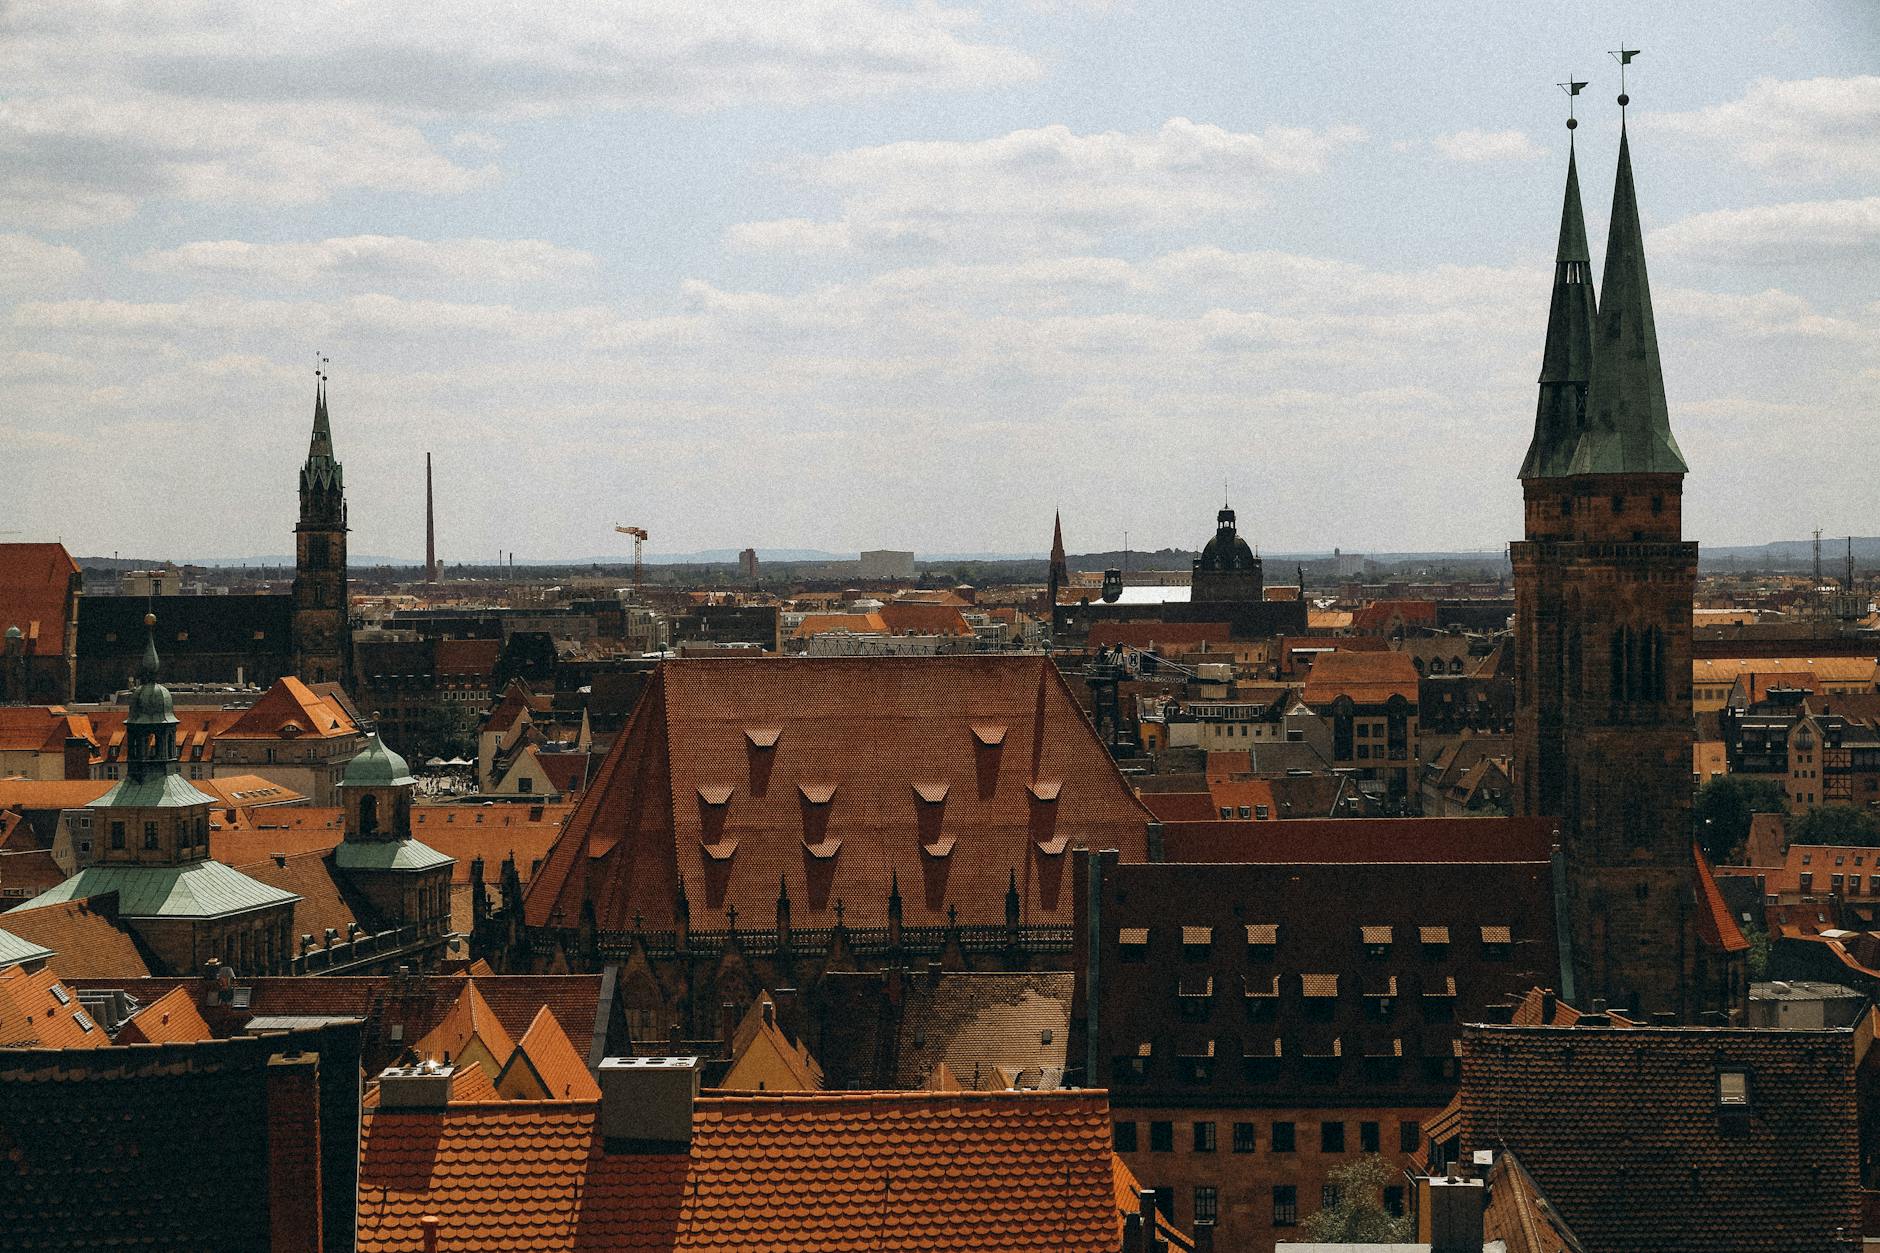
{"points": [[1282, 1137], [1331, 1137], [117, 835], [1161, 1137], [1367, 1137], [1286, 1206], [1328, 1196], [1261, 813], [1733, 1090], [1243, 1137], [1133, 943], [1207, 1201], [1165, 1202], [525, 786], [1409, 1135], [1125, 1137], [1204, 1137], [1393, 1201], [150, 835]]}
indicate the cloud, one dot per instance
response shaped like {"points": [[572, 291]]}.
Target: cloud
{"points": [[1820, 232], [74, 161], [1806, 130], [1474, 145], [379, 261], [1045, 189], [462, 57], [32, 265]]}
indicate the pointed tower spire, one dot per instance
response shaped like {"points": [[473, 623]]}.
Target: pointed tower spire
{"points": [[1628, 430], [1567, 359]]}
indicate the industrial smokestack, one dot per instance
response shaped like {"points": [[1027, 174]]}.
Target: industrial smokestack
{"points": [[430, 526]]}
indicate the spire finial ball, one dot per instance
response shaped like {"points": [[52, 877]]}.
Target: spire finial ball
{"points": [[1573, 123], [1624, 100], [150, 619]]}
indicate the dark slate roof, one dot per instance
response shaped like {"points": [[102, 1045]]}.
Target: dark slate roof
{"points": [[1567, 359], [1620, 1128], [164, 1147], [1282, 967]]}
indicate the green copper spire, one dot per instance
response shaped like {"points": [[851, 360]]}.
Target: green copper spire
{"points": [[1567, 360], [1628, 430], [321, 473]]}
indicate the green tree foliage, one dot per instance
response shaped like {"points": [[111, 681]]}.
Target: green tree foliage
{"points": [[447, 731], [1358, 1216], [1835, 824], [1723, 808]]}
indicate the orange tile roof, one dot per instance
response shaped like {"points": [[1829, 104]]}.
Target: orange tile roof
{"points": [[1160, 637], [23, 794], [470, 1018], [171, 1019], [1382, 615], [1368, 678], [1253, 794], [824, 623], [288, 831], [86, 935], [552, 1061], [470, 1084], [1716, 925], [196, 732], [35, 582], [887, 1170], [901, 617], [290, 710], [42, 728], [37, 1009], [466, 832], [326, 902]]}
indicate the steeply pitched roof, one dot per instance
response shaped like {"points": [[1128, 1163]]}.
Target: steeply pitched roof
{"points": [[891, 1171], [1567, 359], [1623, 1130], [35, 585], [42, 728], [736, 772], [90, 941], [171, 1019], [544, 1049], [470, 1018], [290, 710], [37, 1009], [1716, 925], [1516, 1213], [324, 901]]}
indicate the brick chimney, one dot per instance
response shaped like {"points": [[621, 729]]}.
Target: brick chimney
{"points": [[1450, 1214], [294, 1192]]}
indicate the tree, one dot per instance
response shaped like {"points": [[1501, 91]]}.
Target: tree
{"points": [[1722, 809], [1835, 824], [1358, 1215]]}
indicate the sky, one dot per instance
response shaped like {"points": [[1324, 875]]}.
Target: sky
{"points": [[848, 274]]}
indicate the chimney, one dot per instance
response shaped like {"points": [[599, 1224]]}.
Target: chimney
{"points": [[428, 1226], [424, 1085], [1132, 1233], [1145, 1206], [1454, 1212], [430, 526], [1550, 1004], [294, 1191], [727, 1025], [646, 1103]]}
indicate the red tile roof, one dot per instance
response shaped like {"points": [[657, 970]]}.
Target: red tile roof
{"points": [[1160, 637], [35, 585], [466, 832], [171, 1019], [871, 729], [1381, 616], [902, 617], [86, 935], [1716, 925], [467, 657], [42, 728], [290, 710], [470, 1018], [892, 1171], [1180, 806], [1368, 678], [37, 1009], [552, 1061]]}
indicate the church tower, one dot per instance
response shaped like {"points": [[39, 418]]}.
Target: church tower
{"points": [[322, 633], [1603, 589]]}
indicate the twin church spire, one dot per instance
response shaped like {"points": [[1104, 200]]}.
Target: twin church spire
{"points": [[1602, 390]]}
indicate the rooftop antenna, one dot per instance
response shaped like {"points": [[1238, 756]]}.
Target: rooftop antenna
{"points": [[1623, 55]]}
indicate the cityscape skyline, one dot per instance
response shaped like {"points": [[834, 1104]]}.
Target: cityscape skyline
{"points": [[999, 291]]}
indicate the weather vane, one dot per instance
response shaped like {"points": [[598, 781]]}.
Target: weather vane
{"points": [[1572, 88], [1624, 57]]}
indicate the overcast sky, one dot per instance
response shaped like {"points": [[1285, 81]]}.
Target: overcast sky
{"points": [[849, 273]]}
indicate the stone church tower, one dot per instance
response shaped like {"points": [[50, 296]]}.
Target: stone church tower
{"points": [[1603, 588], [322, 633]]}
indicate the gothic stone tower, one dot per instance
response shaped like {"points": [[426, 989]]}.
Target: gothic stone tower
{"points": [[1603, 589], [322, 635]]}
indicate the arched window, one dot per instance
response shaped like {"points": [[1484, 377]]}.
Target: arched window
{"points": [[368, 815]]}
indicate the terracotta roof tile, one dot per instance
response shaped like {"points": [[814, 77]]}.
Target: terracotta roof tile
{"points": [[560, 1072], [470, 1021], [871, 728], [1368, 678], [38, 1009], [86, 935], [1005, 1171], [290, 708], [1716, 925], [171, 1019], [35, 583]]}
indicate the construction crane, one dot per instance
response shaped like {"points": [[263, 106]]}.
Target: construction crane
{"points": [[639, 537]]}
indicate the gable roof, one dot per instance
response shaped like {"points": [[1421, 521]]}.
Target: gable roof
{"points": [[552, 1062], [200, 889], [35, 589], [42, 728], [998, 1171], [1620, 1127], [833, 806], [171, 1019], [290, 710], [470, 1018]]}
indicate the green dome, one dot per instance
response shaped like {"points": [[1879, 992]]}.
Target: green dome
{"points": [[14, 633], [151, 702], [377, 766]]}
